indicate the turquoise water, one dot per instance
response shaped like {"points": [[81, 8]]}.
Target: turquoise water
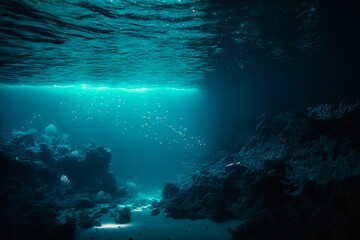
{"points": [[154, 135], [113, 42], [163, 83], [172, 43], [188, 109]]}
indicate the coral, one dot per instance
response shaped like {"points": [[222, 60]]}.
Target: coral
{"points": [[328, 111], [90, 173], [24, 138], [86, 220], [51, 130], [84, 203], [256, 152], [124, 216], [45, 188], [64, 180], [298, 177]]}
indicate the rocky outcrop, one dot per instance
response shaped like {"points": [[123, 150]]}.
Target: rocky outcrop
{"points": [[48, 186], [298, 177]]}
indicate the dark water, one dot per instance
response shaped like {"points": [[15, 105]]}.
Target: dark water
{"points": [[166, 85]]}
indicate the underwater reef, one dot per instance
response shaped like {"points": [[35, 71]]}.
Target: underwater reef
{"points": [[49, 186], [297, 177]]}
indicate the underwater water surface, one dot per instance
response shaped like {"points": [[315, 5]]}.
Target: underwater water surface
{"points": [[179, 119]]}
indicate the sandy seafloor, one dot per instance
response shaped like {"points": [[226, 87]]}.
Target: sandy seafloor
{"points": [[147, 227]]}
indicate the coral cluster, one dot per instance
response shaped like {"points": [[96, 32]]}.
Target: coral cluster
{"points": [[48, 186], [298, 177]]}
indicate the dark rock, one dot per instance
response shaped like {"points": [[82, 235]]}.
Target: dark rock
{"points": [[155, 204], [45, 155], [124, 216], [47, 175], [31, 196], [92, 173], [24, 138], [218, 211], [110, 185], [170, 190], [104, 210], [85, 220], [155, 212], [97, 161], [84, 203], [67, 230]]}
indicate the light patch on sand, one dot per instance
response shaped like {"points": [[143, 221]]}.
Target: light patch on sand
{"points": [[113, 225], [147, 227]]}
